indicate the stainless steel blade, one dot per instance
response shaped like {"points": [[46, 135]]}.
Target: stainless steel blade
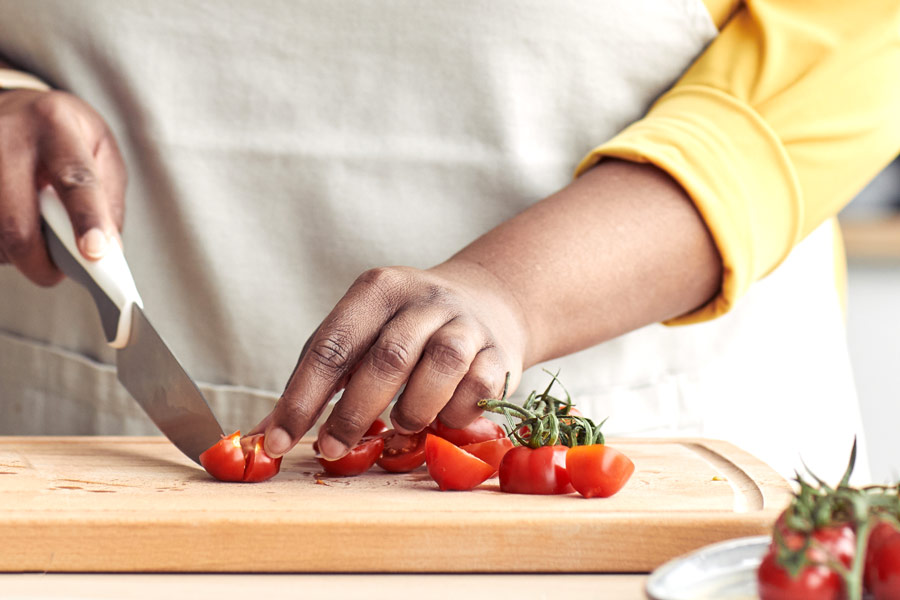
{"points": [[154, 377]]}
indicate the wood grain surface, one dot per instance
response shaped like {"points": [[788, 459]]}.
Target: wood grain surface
{"points": [[94, 504]]}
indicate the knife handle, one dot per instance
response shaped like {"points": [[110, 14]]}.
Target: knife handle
{"points": [[108, 280]]}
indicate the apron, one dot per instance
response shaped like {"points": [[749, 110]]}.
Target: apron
{"points": [[278, 149]]}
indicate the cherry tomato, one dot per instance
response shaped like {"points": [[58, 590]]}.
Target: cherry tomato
{"points": [[452, 467], [359, 460], [598, 470], [812, 583], [402, 453], [882, 574], [535, 471], [491, 451], [479, 430], [236, 459], [376, 428]]}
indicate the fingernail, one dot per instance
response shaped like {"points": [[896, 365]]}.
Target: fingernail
{"points": [[278, 441], [330, 448], [94, 243]]}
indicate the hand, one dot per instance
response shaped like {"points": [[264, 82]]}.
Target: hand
{"points": [[54, 138], [450, 334]]}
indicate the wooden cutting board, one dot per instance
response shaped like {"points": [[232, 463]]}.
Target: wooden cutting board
{"points": [[137, 504]]}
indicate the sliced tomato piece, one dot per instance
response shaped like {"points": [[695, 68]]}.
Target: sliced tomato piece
{"points": [[402, 453], [452, 467], [359, 460], [542, 470], [598, 471], [491, 451], [235, 459], [481, 429], [376, 428]]}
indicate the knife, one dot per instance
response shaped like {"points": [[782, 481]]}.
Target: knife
{"points": [[144, 363]]}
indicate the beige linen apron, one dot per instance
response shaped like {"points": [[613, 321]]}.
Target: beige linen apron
{"points": [[277, 149]]}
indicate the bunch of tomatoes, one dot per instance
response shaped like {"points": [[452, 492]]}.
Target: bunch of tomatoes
{"points": [[835, 544], [552, 449]]}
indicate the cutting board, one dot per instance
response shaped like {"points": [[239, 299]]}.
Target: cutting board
{"points": [[137, 504]]}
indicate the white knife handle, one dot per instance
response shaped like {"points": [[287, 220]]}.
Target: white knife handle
{"points": [[109, 279]]}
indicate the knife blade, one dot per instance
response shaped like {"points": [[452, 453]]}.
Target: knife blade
{"points": [[145, 366]]}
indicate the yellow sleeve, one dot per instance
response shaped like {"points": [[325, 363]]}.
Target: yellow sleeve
{"points": [[776, 126]]}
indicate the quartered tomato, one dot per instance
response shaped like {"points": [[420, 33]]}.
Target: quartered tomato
{"points": [[598, 470], [882, 574], [542, 470], [359, 460], [479, 430], [491, 451], [402, 453], [236, 459], [452, 467]]}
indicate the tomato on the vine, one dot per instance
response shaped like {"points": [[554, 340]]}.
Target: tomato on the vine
{"points": [[525, 470], [481, 429], [598, 470], [812, 583], [233, 458], [882, 571], [491, 451], [402, 453], [358, 460], [452, 467]]}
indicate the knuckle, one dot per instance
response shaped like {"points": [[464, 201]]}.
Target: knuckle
{"points": [[390, 359], [51, 107], [347, 425], [74, 176], [330, 355], [448, 355]]}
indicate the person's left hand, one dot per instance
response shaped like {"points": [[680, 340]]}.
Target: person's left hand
{"points": [[449, 334]]}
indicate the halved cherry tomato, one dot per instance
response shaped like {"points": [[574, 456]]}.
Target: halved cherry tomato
{"points": [[882, 573], [542, 470], [479, 430], [491, 451], [598, 470], [376, 428], [359, 460], [236, 459], [452, 467], [402, 453]]}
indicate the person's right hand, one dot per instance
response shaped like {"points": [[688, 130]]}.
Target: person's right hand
{"points": [[54, 138]]}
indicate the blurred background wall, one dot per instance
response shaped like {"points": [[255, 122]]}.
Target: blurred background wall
{"points": [[871, 226]]}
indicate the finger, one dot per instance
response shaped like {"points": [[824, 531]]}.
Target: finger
{"points": [[113, 176], [67, 162], [344, 336], [485, 379], [382, 372], [20, 234], [446, 360]]}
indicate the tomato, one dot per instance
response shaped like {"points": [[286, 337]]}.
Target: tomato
{"points": [[452, 467], [402, 453], [479, 430], [882, 574], [812, 583], [359, 460], [376, 428], [236, 459], [598, 470], [535, 471], [491, 451]]}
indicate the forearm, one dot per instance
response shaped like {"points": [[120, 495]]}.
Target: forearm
{"points": [[621, 247]]}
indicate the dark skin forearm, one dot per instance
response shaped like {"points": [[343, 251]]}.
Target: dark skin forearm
{"points": [[621, 247]]}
